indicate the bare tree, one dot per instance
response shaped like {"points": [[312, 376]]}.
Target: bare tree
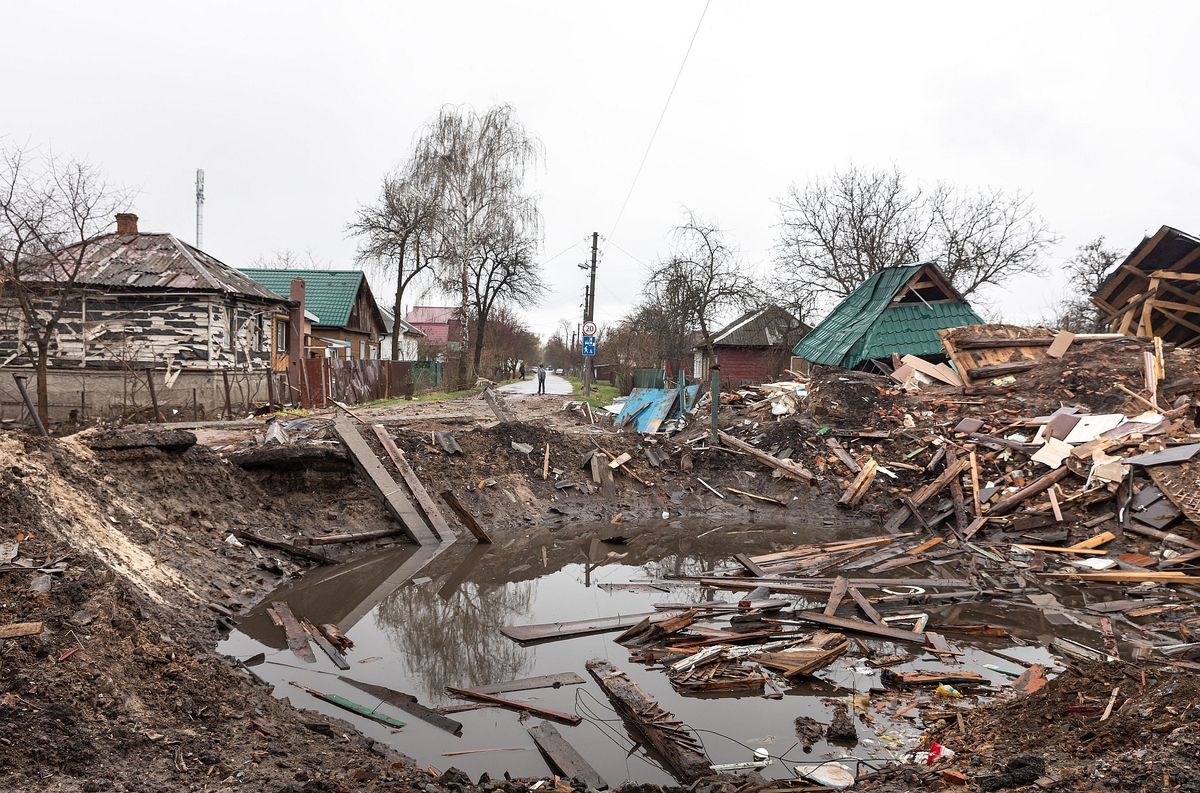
{"points": [[986, 237], [836, 233], [395, 231], [288, 259], [51, 211], [1088, 269], [701, 279], [477, 163], [503, 272]]}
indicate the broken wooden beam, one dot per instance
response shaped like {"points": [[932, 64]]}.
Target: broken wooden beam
{"points": [[314, 633], [337, 539], [1006, 505], [682, 754], [551, 631], [286, 547], [787, 468], [923, 494], [466, 517], [562, 757], [847, 624], [15, 630], [861, 484], [297, 638], [843, 456], [530, 683], [408, 704], [353, 707], [545, 713], [434, 515]]}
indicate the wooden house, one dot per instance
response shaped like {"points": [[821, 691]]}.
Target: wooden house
{"points": [[1155, 291]]}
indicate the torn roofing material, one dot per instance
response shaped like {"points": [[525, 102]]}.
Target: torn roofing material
{"points": [[898, 309]]}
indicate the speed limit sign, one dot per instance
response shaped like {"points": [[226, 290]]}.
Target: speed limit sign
{"points": [[589, 328]]}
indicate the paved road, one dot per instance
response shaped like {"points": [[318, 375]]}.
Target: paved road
{"points": [[528, 387]]}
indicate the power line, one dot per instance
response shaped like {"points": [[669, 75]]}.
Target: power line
{"points": [[661, 116]]}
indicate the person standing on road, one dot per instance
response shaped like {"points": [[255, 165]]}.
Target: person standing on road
{"points": [[522, 370], [541, 374]]}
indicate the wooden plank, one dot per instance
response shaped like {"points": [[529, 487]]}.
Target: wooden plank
{"points": [[297, 639], [562, 757], [545, 713], [835, 596], [974, 463], [756, 496], [847, 624], [338, 659], [531, 683], [1062, 342], [789, 469], [1058, 549], [436, 519], [14, 630], [289, 548], [336, 539], [750, 566], [897, 518], [408, 704], [682, 755], [1095, 542], [925, 367], [866, 607], [353, 707], [1000, 369], [552, 631], [861, 484], [1007, 505], [381, 482], [838, 451], [466, 517]]}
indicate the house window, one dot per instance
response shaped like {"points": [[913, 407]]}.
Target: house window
{"points": [[349, 349], [362, 349], [281, 336]]}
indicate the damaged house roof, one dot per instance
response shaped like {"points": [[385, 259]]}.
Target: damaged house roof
{"points": [[897, 310], [1156, 290], [162, 261], [762, 327]]}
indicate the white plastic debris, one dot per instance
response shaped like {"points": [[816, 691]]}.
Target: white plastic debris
{"points": [[234, 541]]}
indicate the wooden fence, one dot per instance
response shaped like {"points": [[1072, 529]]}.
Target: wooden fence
{"points": [[323, 380]]}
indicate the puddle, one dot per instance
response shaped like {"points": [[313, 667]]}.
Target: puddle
{"points": [[443, 629]]}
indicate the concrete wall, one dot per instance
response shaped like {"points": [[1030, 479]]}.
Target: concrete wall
{"points": [[88, 394]]}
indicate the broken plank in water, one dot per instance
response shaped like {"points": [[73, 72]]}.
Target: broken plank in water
{"points": [[302, 553], [362, 536], [680, 752], [466, 517], [314, 633], [562, 756], [16, 629], [354, 707], [530, 683], [545, 713], [748, 563], [551, 631], [297, 639], [928, 678], [407, 703], [868, 628]]}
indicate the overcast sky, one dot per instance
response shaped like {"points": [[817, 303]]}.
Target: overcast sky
{"points": [[296, 110]]}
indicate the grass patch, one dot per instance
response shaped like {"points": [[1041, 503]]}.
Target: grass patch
{"points": [[602, 393], [431, 396]]}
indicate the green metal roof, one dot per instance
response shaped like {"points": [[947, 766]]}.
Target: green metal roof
{"points": [[329, 294], [866, 325]]}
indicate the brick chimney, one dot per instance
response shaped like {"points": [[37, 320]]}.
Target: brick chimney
{"points": [[126, 223]]}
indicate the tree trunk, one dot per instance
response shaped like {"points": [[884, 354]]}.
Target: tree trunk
{"points": [[478, 341], [463, 335], [396, 309], [43, 392]]}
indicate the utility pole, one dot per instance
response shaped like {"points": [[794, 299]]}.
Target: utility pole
{"points": [[589, 371], [200, 208]]}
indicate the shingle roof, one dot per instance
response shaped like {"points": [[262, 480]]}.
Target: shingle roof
{"points": [[435, 315], [763, 327], [329, 294], [867, 325], [162, 261]]}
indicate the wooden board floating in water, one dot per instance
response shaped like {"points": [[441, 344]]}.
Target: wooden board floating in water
{"points": [[551, 631], [354, 707], [530, 683], [683, 755], [562, 757], [545, 713], [408, 704], [297, 639]]}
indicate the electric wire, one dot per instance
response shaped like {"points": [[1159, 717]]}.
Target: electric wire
{"points": [[661, 116]]}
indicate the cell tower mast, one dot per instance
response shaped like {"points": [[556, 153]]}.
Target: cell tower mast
{"points": [[200, 208]]}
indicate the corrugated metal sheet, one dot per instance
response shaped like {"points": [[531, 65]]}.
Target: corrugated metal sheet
{"points": [[764, 327], [866, 324], [162, 261]]}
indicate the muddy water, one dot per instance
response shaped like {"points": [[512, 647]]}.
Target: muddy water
{"points": [[442, 628]]}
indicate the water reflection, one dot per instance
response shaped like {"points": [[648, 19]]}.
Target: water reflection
{"points": [[456, 640]]}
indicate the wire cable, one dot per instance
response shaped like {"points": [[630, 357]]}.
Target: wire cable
{"points": [[661, 116]]}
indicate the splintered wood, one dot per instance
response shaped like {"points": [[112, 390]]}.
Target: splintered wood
{"points": [[682, 754]]}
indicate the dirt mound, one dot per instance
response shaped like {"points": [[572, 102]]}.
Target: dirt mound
{"points": [[848, 397]]}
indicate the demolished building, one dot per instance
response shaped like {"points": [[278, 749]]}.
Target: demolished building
{"points": [[1155, 291]]}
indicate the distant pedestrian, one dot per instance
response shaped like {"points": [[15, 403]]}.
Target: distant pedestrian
{"points": [[541, 378], [522, 370]]}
